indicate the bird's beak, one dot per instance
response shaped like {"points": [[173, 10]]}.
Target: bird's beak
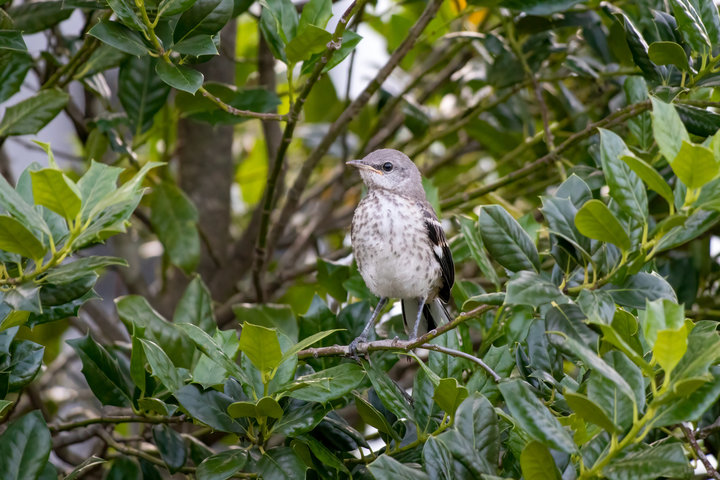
{"points": [[363, 166]]}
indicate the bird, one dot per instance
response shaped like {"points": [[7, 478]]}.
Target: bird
{"points": [[399, 244]]}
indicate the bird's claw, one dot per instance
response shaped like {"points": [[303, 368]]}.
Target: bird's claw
{"points": [[354, 347]]}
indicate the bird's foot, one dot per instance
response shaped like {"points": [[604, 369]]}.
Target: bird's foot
{"points": [[354, 347]]}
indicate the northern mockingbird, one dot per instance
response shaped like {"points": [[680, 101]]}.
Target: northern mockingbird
{"points": [[399, 244]]}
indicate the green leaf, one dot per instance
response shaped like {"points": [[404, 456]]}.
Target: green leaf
{"points": [[119, 36], [102, 372], [650, 176], [670, 346], [694, 165], [539, 7], [126, 13], [597, 305], [310, 40], [302, 419], [12, 40], [123, 468], [660, 314], [179, 76], [385, 467], [11, 201], [596, 221], [13, 70], [25, 447], [142, 93], [529, 288], [691, 26], [590, 411], [207, 372], [173, 7], [636, 289], [67, 272], [625, 187], [262, 347], [35, 17], [281, 463], [506, 240], [161, 365], [54, 190], [171, 446], [388, 392], [469, 230], [196, 46], [449, 395], [636, 91], [135, 310], [350, 40], [285, 16], [209, 407], [306, 342], [15, 238], [699, 121], [326, 456], [210, 347], [270, 29], [196, 307], [222, 466], [97, 182], [200, 108], [437, 459], [534, 418], [32, 114], [690, 407], [668, 129], [327, 384], [242, 409], [26, 360], [666, 460], [174, 220], [669, 53], [537, 463], [269, 407], [708, 13], [204, 17], [316, 13], [373, 417]]}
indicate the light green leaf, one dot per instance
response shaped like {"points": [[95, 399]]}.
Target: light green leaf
{"points": [[161, 365], [694, 165], [315, 12], [54, 190], [537, 463], [32, 114], [15, 238], [262, 347], [310, 40], [595, 220], [669, 53], [668, 129], [650, 176], [670, 346]]}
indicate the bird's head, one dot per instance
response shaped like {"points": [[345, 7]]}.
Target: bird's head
{"points": [[390, 170]]}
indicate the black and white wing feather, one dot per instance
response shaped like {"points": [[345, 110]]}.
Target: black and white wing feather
{"points": [[441, 250]]}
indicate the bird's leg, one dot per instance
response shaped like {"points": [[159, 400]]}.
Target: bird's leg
{"points": [[416, 327], [364, 335]]}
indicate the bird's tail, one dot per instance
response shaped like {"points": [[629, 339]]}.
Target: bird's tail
{"points": [[434, 314]]}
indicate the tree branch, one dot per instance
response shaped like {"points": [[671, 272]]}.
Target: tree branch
{"points": [[62, 427], [690, 437], [241, 113]]}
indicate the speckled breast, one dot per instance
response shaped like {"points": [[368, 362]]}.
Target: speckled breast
{"points": [[392, 247]]}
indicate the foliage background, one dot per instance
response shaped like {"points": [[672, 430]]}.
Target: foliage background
{"points": [[205, 200]]}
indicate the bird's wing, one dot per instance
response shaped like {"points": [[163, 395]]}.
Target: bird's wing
{"points": [[440, 247]]}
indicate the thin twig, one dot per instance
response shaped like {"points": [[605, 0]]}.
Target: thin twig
{"points": [[62, 427], [344, 119], [241, 113], [690, 437], [467, 356], [269, 194], [705, 432], [406, 345]]}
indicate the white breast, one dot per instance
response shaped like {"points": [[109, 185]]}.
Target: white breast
{"points": [[392, 247]]}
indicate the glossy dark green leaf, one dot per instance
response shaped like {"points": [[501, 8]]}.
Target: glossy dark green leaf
{"points": [[691, 26], [81, 266], [12, 40], [270, 29], [200, 108], [636, 91], [208, 372], [119, 36], [174, 219], [667, 460], [179, 76], [696, 224], [25, 447], [698, 121], [597, 305], [102, 372], [204, 17], [25, 362], [326, 456], [469, 229], [639, 49], [125, 11], [13, 69], [134, 309], [438, 459], [196, 307], [690, 407], [537, 463], [596, 221], [141, 92], [54, 190], [196, 46], [636, 289], [123, 468], [171, 447], [161, 365], [388, 392], [668, 129], [373, 417], [209, 407], [708, 13], [15, 238], [669, 53], [529, 288], [300, 419], [328, 384], [173, 7], [222, 466], [534, 418], [210, 347], [385, 467], [506, 240], [650, 176], [32, 114], [285, 16], [281, 463], [34, 17], [625, 186]]}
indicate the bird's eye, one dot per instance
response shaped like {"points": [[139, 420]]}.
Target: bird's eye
{"points": [[387, 166]]}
